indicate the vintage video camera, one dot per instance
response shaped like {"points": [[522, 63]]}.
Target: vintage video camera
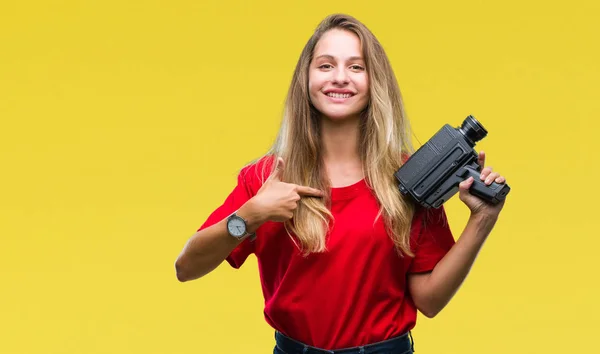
{"points": [[432, 174]]}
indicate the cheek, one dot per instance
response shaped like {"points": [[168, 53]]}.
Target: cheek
{"points": [[314, 87], [312, 92], [364, 85], [314, 81], [366, 90]]}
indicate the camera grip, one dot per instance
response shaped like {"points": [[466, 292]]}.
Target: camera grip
{"points": [[494, 193]]}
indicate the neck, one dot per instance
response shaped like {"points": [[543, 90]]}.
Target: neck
{"points": [[340, 139], [340, 149]]}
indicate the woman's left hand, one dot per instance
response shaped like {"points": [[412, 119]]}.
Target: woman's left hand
{"points": [[478, 206]]}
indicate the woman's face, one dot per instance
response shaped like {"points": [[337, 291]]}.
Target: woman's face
{"points": [[337, 82]]}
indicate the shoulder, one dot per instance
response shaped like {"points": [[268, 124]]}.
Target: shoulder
{"points": [[256, 172], [433, 215], [430, 221]]}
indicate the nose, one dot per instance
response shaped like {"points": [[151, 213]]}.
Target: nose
{"points": [[340, 77]]}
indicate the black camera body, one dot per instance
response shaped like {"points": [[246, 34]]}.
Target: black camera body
{"points": [[432, 174]]}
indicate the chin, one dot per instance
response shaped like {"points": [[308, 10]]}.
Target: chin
{"points": [[339, 115], [338, 112]]}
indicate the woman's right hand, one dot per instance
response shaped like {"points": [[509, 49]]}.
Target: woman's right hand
{"points": [[277, 200]]}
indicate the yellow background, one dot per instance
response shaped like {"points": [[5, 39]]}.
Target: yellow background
{"points": [[124, 123]]}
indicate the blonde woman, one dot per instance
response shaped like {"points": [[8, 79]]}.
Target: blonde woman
{"points": [[345, 261]]}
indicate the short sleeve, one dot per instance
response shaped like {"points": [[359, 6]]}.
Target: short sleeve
{"points": [[432, 239], [240, 194]]}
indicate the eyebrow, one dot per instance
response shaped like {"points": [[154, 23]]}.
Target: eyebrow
{"points": [[327, 56]]}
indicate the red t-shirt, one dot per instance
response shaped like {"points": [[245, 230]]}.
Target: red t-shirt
{"points": [[356, 292]]}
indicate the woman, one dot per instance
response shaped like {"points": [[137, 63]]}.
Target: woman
{"points": [[345, 260]]}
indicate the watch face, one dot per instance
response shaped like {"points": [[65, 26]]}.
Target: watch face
{"points": [[236, 226]]}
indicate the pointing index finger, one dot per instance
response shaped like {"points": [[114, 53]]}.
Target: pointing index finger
{"points": [[309, 192]]}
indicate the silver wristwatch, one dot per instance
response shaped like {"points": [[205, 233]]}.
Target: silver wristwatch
{"points": [[238, 227]]}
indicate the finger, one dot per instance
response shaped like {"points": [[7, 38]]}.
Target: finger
{"points": [[492, 176], [309, 192], [464, 186], [485, 172], [500, 179], [481, 159]]}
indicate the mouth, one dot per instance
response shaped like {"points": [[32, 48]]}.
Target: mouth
{"points": [[337, 96]]}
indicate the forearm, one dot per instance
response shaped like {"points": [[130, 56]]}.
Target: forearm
{"points": [[204, 251], [208, 248], [449, 274]]}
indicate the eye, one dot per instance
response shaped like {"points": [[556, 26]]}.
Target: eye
{"points": [[325, 66], [357, 67]]}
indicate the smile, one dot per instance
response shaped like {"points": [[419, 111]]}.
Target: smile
{"points": [[339, 97]]}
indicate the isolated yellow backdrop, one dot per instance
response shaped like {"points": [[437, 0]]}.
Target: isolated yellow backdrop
{"points": [[124, 123]]}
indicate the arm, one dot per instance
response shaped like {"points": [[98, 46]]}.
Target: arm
{"points": [[209, 247], [433, 290]]}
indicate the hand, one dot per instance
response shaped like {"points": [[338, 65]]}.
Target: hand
{"points": [[277, 200], [478, 206]]}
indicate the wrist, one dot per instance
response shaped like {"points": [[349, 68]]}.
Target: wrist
{"points": [[483, 222], [252, 214]]}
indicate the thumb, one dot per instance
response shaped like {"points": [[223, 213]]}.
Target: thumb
{"points": [[464, 186], [279, 166]]}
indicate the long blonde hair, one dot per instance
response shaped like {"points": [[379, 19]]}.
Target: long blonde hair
{"points": [[384, 141]]}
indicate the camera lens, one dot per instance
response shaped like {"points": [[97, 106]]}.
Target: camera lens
{"points": [[472, 129]]}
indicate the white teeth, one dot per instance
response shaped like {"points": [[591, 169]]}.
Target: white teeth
{"points": [[339, 95]]}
